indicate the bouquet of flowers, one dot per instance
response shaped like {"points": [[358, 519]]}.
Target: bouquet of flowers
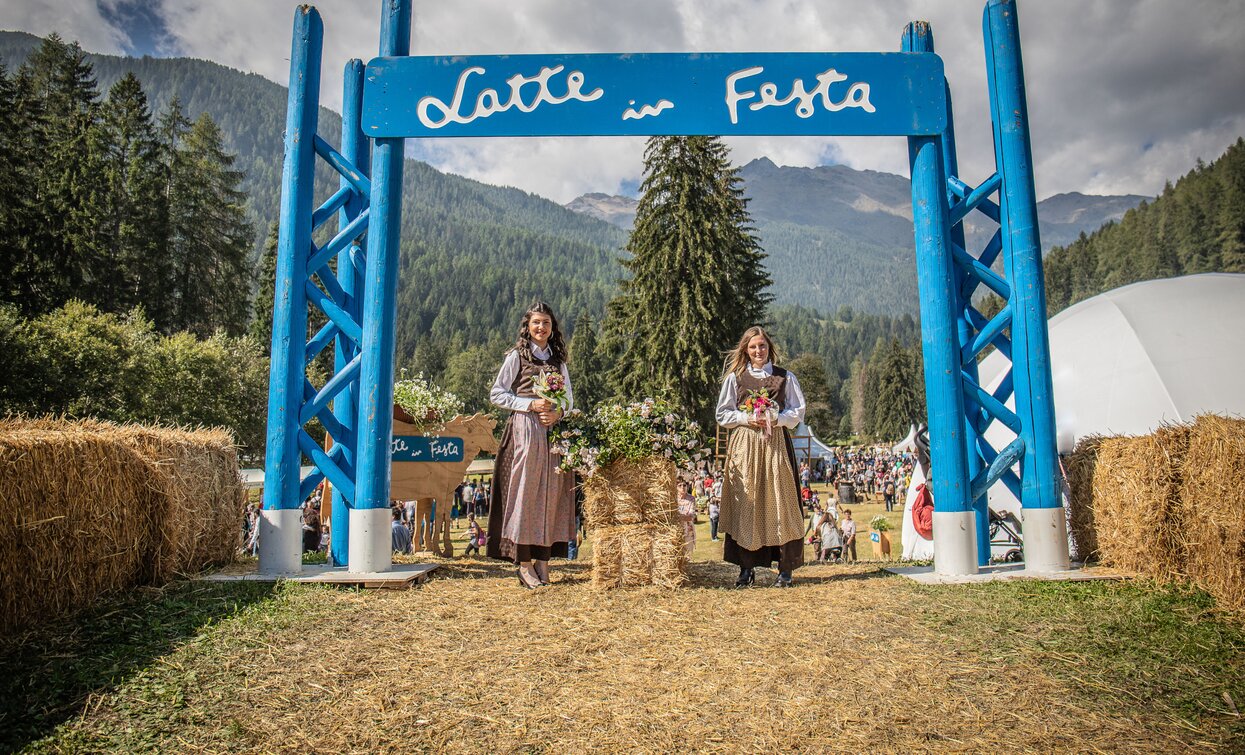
{"points": [[763, 408], [653, 427], [552, 387], [428, 405]]}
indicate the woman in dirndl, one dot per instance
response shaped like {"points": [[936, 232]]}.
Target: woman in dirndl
{"points": [[761, 514], [532, 506]]}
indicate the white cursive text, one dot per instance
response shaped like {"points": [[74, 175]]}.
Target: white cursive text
{"points": [[488, 101], [857, 94]]}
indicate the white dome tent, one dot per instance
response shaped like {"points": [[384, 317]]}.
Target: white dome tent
{"points": [[1136, 357]]}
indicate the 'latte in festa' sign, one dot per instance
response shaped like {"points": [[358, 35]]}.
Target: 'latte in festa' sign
{"points": [[662, 93], [425, 448]]}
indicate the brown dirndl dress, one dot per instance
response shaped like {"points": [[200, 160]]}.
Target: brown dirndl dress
{"points": [[532, 506], [761, 513]]}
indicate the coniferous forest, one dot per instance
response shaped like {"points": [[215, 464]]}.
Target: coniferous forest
{"points": [[136, 197]]}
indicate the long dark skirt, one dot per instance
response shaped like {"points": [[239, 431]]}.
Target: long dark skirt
{"points": [[790, 556], [532, 507]]}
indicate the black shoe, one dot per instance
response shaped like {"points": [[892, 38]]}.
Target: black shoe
{"points": [[784, 579], [746, 578]]}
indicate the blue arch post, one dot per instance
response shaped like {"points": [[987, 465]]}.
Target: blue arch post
{"points": [[924, 42], [954, 521], [1045, 528], [350, 278], [369, 528], [280, 534]]}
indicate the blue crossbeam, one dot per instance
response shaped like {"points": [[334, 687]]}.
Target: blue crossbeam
{"points": [[1009, 477], [992, 405], [326, 211], [331, 286], [998, 466], [987, 207], [321, 339], [339, 316], [975, 198], [349, 172], [320, 257], [336, 476], [334, 386], [986, 335], [983, 274]]}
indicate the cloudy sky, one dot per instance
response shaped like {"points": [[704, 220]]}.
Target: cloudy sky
{"points": [[1123, 94]]}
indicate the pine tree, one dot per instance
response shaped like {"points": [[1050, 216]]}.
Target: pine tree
{"points": [[137, 220], [14, 200], [62, 97], [895, 396], [820, 412], [587, 373], [697, 281], [209, 234]]}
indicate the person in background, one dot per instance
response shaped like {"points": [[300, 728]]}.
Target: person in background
{"points": [[475, 536], [399, 535], [311, 526], [687, 516], [849, 536], [715, 511]]}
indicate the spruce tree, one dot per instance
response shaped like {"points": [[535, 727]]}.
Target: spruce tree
{"points": [[587, 374], [698, 277], [209, 234], [895, 396], [136, 224]]}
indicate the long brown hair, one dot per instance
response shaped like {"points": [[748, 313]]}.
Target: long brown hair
{"points": [[737, 358], [557, 346]]}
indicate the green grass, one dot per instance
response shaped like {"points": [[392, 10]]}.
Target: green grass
{"points": [[1123, 643], [48, 674]]}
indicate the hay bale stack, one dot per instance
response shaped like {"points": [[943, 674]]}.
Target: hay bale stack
{"points": [[632, 492], [1080, 466], [90, 507], [1212, 509], [636, 555], [1136, 493], [632, 509]]}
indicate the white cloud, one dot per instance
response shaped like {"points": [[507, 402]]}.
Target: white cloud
{"points": [[1123, 94], [79, 20]]}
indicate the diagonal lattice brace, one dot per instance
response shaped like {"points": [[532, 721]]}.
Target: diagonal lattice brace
{"points": [[986, 336], [325, 212], [989, 403], [328, 466], [998, 466], [320, 257], [974, 199], [348, 171], [321, 398], [340, 317], [980, 272], [320, 340]]}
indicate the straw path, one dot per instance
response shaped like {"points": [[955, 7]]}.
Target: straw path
{"points": [[845, 662]]}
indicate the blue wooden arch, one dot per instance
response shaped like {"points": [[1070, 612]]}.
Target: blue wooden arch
{"points": [[397, 96]]}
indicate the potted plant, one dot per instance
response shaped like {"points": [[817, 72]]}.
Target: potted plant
{"points": [[879, 529]]}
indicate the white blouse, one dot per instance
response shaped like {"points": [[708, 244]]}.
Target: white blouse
{"points": [[792, 414], [501, 394]]}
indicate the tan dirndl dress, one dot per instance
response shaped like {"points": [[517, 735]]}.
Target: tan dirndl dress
{"points": [[761, 513]]}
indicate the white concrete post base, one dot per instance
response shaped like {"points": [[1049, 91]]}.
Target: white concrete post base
{"points": [[1046, 540], [280, 541], [371, 541], [955, 543]]}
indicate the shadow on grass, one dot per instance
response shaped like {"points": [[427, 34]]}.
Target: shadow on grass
{"points": [[49, 672]]}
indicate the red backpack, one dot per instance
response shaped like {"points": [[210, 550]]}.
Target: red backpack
{"points": [[923, 511]]}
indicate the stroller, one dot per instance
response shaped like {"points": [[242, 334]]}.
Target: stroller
{"points": [[1005, 533]]}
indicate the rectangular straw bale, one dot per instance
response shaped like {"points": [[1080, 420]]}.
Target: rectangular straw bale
{"points": [[637, 555], [1080, 466], [87, 507], [1212, 509], [78, 515], [632, 492], [1136, 489]]}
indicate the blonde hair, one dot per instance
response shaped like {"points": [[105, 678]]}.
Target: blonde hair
{"points": [[737, 358]]}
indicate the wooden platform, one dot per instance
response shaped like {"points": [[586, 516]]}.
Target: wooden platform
{"points": [[400, 577], [1004, 572]]}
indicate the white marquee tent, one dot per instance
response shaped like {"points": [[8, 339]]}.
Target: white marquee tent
{"points": [[1131, 359]]}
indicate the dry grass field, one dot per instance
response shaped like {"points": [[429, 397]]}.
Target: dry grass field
{"points": [[850, 660]]}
